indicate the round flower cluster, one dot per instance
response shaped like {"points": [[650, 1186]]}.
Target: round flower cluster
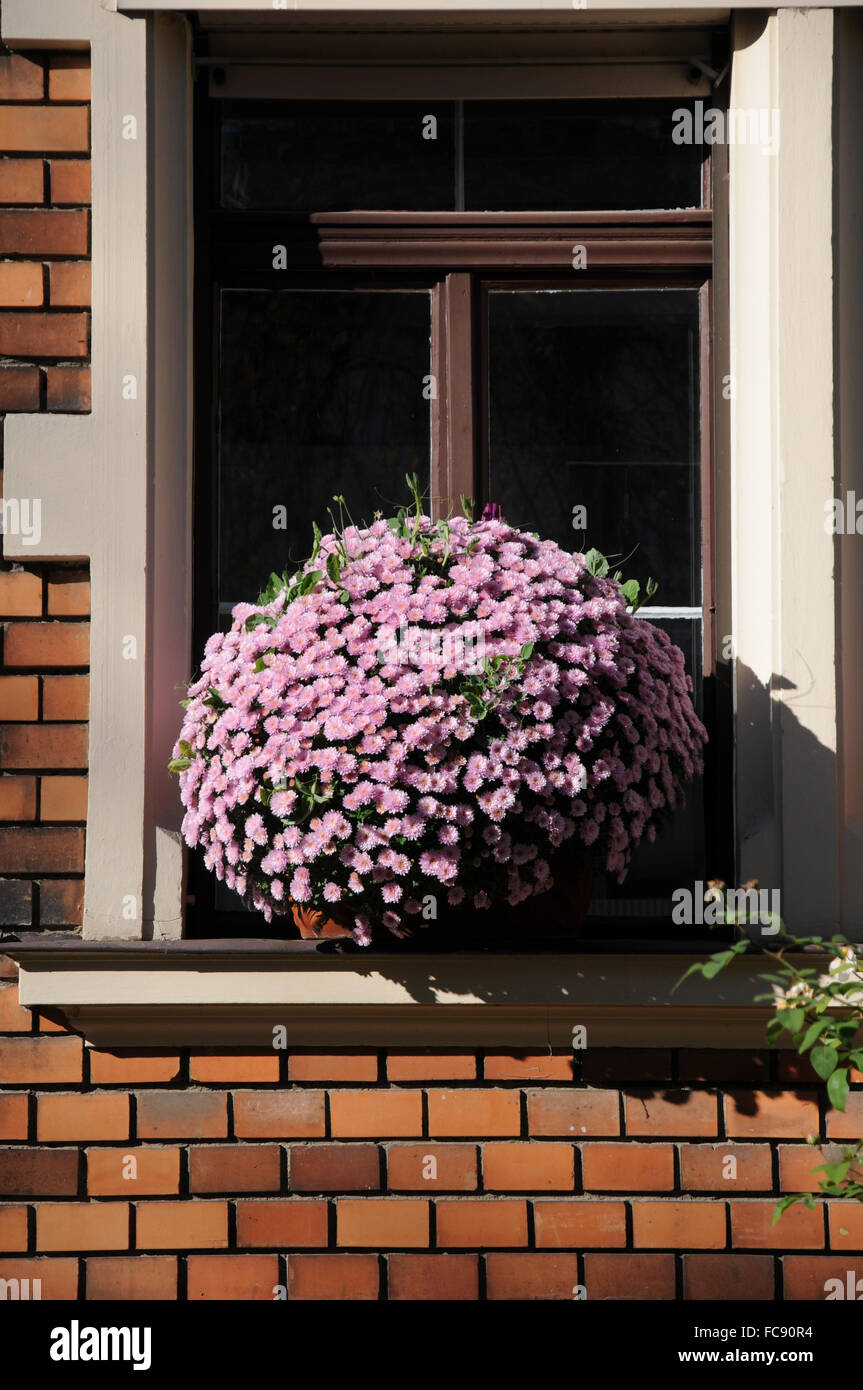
{"points": [[323, 761]]}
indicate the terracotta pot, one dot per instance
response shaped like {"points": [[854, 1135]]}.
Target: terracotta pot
{"points": [[312, 922]]}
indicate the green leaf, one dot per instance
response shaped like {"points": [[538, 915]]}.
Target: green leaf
{"points": [[812, 1032], [179, 764], [793, 1019], [837, 1088], [717, 963], [630, 590], [260, 664], [344, 596], [596, 564], [334, 568], [824, 1060], [527, 651], [785, 1202], [184, 704], [651, 587]]}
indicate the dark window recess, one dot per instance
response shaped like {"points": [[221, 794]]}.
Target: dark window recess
{"points": [[320, 392], [475, 156], [593, 402]]}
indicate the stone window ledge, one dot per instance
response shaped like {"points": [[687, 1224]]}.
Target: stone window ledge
{"points": [[147, 994]]}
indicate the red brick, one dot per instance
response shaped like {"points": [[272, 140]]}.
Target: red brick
{"points": [[21, 181], [86, 1118], [16, 903], [476, 1223], [126, 1067], [722, 1064], [61, 902], [627, 1167], [20, 284], [58, 1278], [744, 1278], [157, 1171], [67, 389], [573, 1112], [66, 697], [38, 1172], [182, 1115], [26, 850], [528, 1167], [797, 1229], [334, 1168], [50, 1021], [223, 1277], [359, 1065], [69, 77], [13, 1018], [130, 1278], [702, 1167], [805, 1277], [41, 1061], [47, 644], [523, 1277], [43, 335], [8, 968], [81, 1226], [235, 1168], [20, 594], [19, 697], [68, 598], [63, 798], [14, 1114], [847, 1123], [603, 1064], [679, 1224], [282, 1222], [796, 1165], [671, 1113], [770, 1115], [467, 1112], [38, 129], [629, 1277], [579, 1225], [68, 285], [182, 1225], [528, 1066], [13, 1229], [25, 746], [339, 1277], [69, 180], [406, 1064], [279, 1115], [20, 79], [440, 1278], [382, 1222], [792, 1070], [241, 1065], [455, 1166], [845, 1224], [19, 388], [366, 1114]]}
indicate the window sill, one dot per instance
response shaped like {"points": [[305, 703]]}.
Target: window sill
{"points": [[233, 993]]}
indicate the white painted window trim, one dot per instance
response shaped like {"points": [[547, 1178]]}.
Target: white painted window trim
{"points": [[116, 484]]}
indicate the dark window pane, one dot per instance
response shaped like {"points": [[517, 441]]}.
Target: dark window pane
{"points": [[337, 156], [560, 156], [593, 402], [321, 392]]}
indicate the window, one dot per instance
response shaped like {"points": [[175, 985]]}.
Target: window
{"points": [[510, 298]]}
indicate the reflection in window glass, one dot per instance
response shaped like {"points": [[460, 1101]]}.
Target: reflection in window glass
{"points": [[320, 392]]}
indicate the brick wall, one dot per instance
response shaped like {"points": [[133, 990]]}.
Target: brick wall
{"points": [[365, 1174], [44, 354]]}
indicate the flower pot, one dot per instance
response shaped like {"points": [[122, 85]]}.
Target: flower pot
{"points": [[560, 912]]}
